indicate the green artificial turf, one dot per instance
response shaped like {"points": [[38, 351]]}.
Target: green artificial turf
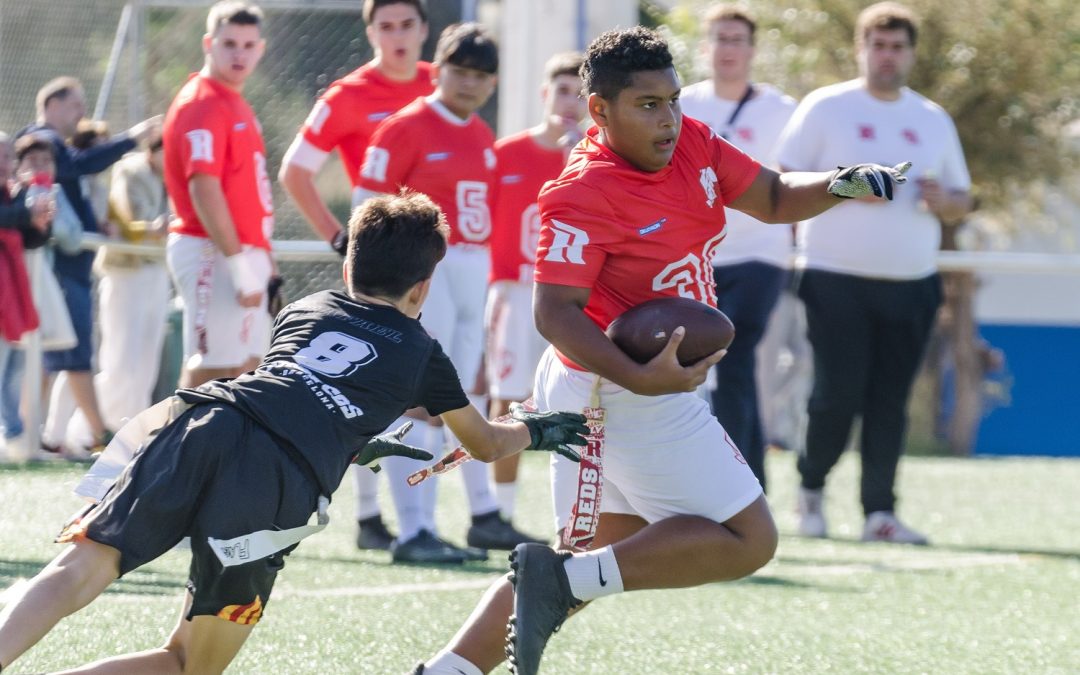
{"points": [[995, 593]]}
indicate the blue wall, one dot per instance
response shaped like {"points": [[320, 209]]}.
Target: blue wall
{"points": [[1044, 415]]}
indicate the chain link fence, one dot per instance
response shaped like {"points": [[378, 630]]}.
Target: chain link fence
{"points": [[132, 58]]}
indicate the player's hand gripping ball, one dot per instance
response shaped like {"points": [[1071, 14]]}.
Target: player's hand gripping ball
{"points": [[643, 330]]}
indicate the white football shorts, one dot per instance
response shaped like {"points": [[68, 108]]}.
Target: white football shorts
{"points": [[663, 456], [514, 346], [453, 313], [218, 332]]}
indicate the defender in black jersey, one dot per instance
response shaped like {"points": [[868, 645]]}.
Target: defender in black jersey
{"points": [[251, 459]]}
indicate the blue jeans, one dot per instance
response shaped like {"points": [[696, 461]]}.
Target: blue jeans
{"points": [[12, 367]]}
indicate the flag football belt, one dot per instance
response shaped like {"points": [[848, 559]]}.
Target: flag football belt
{"points": [[264, 543], [581, 528]]}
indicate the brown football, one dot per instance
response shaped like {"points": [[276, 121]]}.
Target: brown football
{"points": [[643, 330]]}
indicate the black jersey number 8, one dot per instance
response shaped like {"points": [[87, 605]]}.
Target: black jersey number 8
{"points": [[335, 354]]}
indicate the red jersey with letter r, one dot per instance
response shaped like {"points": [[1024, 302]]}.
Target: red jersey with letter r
{"points": [[346, 115], [428, 149], [210, 129], [633, 235], [522, 168]]}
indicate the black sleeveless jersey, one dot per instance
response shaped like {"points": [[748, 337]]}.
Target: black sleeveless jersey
{"points": [[339, 372]]}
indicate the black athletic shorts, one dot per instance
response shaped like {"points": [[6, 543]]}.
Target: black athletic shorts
{"points": [[214, 472]]}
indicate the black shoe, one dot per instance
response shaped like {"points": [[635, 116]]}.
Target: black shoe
{"points": [[491, 531], [542, 601], [418, 670], [426, 548], [471, 553], [372, 535]]}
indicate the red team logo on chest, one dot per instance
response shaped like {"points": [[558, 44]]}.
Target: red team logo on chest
{"points": [[910, 136], [866, 132]]}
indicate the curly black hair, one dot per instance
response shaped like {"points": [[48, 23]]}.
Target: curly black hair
{"points": [[614, 56]]}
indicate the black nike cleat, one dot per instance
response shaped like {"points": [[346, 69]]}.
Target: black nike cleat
{"points": [[542, 601]]}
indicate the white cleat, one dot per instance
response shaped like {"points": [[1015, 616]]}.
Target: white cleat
{"points": [[811, 516], [885, 526]]}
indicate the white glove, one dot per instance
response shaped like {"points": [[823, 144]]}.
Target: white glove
{"points": [[866, 180]]}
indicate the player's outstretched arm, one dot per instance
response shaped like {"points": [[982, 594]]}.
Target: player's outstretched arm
{"points": [[797, 195], [489, 441], [560, 318]]}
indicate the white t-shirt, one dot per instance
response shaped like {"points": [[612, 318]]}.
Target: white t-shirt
{"points": [[755, 132], [841, 125]]}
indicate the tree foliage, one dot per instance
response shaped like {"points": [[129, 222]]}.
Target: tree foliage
{"points": [[1008, 71]]}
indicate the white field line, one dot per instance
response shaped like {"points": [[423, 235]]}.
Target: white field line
{"points": [[14, 590], [779, 568], [943, 562]]}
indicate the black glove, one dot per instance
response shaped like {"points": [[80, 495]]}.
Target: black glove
{"points": [[275, 299], [389, 445], [864, 180], [340, 242], [553, 431]]}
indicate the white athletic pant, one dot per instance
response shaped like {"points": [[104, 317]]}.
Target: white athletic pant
{"points": [[133, 305]]}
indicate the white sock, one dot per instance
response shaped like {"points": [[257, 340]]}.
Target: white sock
{"points": [[448, 663], [409, 501], [477, 475], [587, 570], [506, 495], [435, 443], [366, 483], [477, 478]]}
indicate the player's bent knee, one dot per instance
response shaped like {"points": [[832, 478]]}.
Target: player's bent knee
{"points": [[755, 528]]}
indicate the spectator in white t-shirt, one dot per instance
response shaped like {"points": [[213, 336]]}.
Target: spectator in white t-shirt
{"points": [[870, 285], [750, 267]]}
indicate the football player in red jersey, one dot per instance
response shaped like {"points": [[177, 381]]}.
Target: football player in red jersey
{"points": [[348, 112], [524, 162], [344, 118], [218, 251], [438, 145], [634, 216]]}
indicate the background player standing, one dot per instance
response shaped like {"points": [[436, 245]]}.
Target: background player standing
{"points": [[261, 451], [218, 251], [524, 162], [439, 146], [870, 286], [634, 216], [751, 267], [344, 118]]}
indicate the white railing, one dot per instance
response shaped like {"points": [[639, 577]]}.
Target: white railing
{"points": [[948, 261]]}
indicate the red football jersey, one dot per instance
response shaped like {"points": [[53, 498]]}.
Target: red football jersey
{"points": [[522, 168], [346, 115], [426, 148], [633, 236], [210, 129]]}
